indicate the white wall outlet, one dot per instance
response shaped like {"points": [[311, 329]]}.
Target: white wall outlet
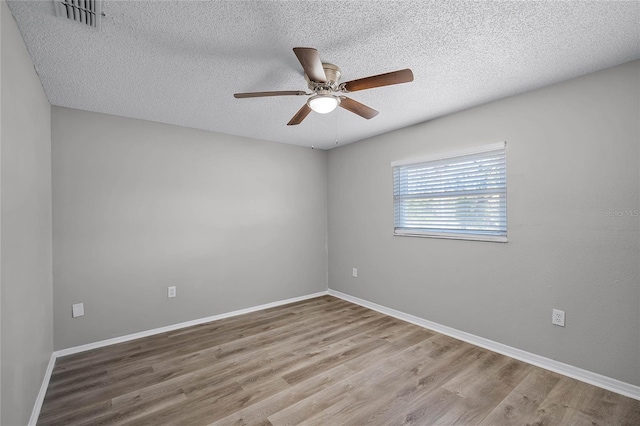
{"points": [[171, 291], [558, 317], [354, 274], [77, 310]]}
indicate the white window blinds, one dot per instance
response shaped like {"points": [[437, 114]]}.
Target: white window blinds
{"points": [[457, 195]]}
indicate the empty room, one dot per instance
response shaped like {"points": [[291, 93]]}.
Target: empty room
{"points": [[319, 212]]}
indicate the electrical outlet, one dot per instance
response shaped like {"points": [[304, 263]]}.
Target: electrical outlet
{"points": [[171, 291], [558, 317], [354, 274], [77, 310]]}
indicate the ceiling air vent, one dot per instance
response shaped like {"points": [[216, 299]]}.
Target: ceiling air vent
{"points": [[86, 12]]}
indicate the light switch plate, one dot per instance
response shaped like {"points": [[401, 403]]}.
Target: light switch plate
{"points": [[77, 310]]}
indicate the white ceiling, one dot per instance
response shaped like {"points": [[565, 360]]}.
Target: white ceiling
{"points": [[179, 62]]}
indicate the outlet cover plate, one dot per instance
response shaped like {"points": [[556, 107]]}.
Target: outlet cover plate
{"points": [[171, 291], [354, 273], [558, 317]]}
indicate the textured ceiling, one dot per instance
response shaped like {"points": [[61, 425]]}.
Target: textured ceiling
{"points": [[179, 62]]}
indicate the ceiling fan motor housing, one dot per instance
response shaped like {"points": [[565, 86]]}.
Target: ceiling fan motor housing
{"points": [[332, 73]]}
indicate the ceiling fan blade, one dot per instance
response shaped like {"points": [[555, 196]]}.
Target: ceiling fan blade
{"points": [[262, 94], [357, 108], [387, 79], [310, 61], [300, 115]]}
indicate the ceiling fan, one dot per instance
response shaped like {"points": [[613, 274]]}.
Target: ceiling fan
{"points": [[323, 79]]}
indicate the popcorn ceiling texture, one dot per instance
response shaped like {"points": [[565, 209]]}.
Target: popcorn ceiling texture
{"points": [[179, 62]]}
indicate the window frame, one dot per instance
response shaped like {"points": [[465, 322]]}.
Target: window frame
{"points": [[444, 156]]}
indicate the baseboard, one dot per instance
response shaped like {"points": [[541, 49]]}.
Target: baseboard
{"points": [[134, 336], [35, 413], [595, 379], [589, 377]]}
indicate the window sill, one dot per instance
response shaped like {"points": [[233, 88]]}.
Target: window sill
{"points": [[485, 238]]}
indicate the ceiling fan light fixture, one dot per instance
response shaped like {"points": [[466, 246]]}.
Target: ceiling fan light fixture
{"points": [[323, 103]]}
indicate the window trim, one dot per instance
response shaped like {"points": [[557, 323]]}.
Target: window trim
{"points": [[444, 156], [450, 154]]}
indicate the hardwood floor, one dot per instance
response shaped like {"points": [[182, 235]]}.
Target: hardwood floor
{"points": [[322, 361]]}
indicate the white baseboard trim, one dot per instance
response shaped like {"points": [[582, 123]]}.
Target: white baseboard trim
{"points": [[595, 379], [589, 377], [35, 413], [134, 336]]}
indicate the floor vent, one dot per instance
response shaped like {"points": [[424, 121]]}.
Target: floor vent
{"points": [[87, 12]]}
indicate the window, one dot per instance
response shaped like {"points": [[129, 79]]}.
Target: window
{"points": [[460, 195]]}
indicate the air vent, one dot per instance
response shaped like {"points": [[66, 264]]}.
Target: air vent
{"points": [[86, 12]]}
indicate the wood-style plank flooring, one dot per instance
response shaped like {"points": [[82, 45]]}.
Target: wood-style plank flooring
{"points": [[322, 361]]}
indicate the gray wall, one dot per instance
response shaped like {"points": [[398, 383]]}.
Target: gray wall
{"points": [[26, 281], [2, 9], [139, 206], [572, 157]]}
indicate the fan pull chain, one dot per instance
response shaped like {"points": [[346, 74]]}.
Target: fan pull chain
{"points": [[336, 127]]}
